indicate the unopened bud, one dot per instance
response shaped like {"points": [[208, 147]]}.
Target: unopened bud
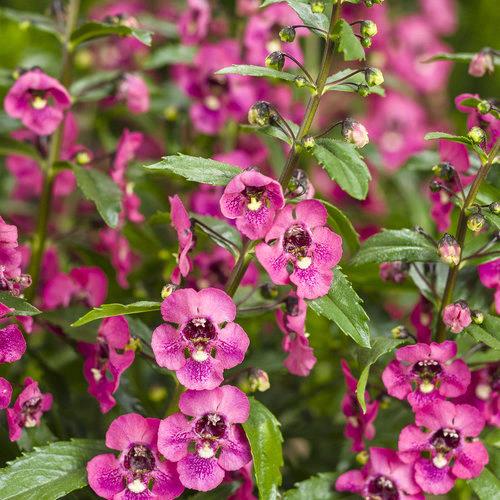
{"points": [[269, 291], [366, 42], [299, 185], [300, 81], [477, 317], [363, 90], [368, 28], [444, 171], [495, 207], [449, 250], [287, 34], [481, 63], [275, 60], [317, 6], [82, 158], [368, 3], [374, 76], [484, 107], [378, 2], [457, 316], [477, 135], [400, 332], [355, 133], [258, 380], [260, 114], [435, 186], [362, 457], [167, 290], [309, 142], [475, 222]]}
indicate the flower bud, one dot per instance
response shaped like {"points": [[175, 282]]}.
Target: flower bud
{"points": [[495, 207], [363, 90], [444, 171], [435, 186], [287, 34], [258, 380], [299, 185], [82, 158], [309, 142], [378, 2], [260, 114], [362, 457], [317, 6], [457, 316], [476, 135], [275, 60], [300, 81], [269, 291], [484, 107], [449, 250], [477, 317], [481, 63], [368, 3], [475, 222], [355, 133], [374, 76], [366, 42], [167, 290], [368, 28], [400, 332]]}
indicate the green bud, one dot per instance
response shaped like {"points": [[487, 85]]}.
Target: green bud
{"points": [[317, 6], [366, 42], [476, 135], [82, 158], [167, 290], [477, 316], [368, 29], [275, 60], [495, 207], [362, 457], [444, 171], [435, 186], [260, 114], [368, 3], [400, 332], [363, 90], [300, 82], [269, 291], [374, 76], [378, 2], [475, 222], [309, 142], [484, 107], [287, 34]]}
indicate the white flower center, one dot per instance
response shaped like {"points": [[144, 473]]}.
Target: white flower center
{"points": [[96, 373], [38, 102], [29, 422], [200, 355], [206, 451], [440, 461], [483, 391], [426, 387], [212, 103], [136, 486], [254, 204], [304, 262]]}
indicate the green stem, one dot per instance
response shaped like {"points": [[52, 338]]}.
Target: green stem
{"points": [[291, 162], [460, 237], [40, 237]]}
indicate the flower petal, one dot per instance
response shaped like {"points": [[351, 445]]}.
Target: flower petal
{"points": [[168, 347], [104, 475], [132, 428], [201, 375], [174, 436], [202, 474], [235, 452], [231, 345]]}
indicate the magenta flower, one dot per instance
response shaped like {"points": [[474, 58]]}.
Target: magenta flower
{"points": [[28, 409], [182, 224], [424, 373], [91, 284], [385, 476], [5, 393], [489, 275], [449, 442], [194, 22], [113, 243], [359, 426], [457, 316], [38, 100], [139, 472], [291, 322], [134, 91], [442, 17], [106, 360], [211, 349], [302, 239], [421, 319], [253, 200], [12, 343], [208, 422]]}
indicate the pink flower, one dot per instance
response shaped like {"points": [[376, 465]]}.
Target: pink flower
{"points": [[291, 322], [12, 343], [106, 360], [355, 133], [384, 476], [28, 409], [245, 477], [481, 63], [359, 426], [424, 373], [302, 239], [182, 224], [91, 284], [134, 91], [194, 22], [394, 271], [450, 440], [219, 442], [457, 316], [138, 472], [211, 348], [421, 319], [38, 100], [5, 393], [253, 200], [489, 274], [117, 246], [441, 16]]}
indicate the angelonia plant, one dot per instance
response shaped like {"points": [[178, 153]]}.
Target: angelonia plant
{"points": [[236, 261]]}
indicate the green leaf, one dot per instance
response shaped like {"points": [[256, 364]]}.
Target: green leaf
{"points": [[49, 472], [344, 165], [94, 86], [92, 30], [341, 224], [249, 70], [396, 244], [100, 188], [65, 317], [342, 305], [487, 333], [33, 20], [9, 146], [462, 139], [320, 487], [109, 310], [273, 131], [464, 57], [493, 219], [20, 306], [369, 357], [347, 42], [263, 432], [303, 10], [358, 79], [170, 54], [486, 486], [488, 193], [214, 227], [196, 169]]}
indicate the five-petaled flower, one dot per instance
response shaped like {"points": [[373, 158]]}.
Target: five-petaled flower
{"points": [[205, 342], [210, 423]]}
